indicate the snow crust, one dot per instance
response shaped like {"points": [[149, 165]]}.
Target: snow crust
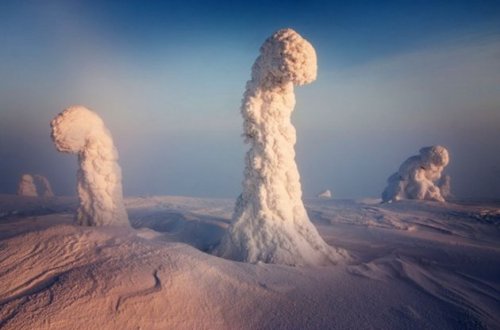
{"points": [[417, 177], [26, 186], [81, 131], [270, 223]]}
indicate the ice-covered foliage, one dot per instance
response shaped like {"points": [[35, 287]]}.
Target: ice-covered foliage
{"points": [[44, 184], [327, 194], [270, 223], [81, 131], [27, 186], [418, 176]]}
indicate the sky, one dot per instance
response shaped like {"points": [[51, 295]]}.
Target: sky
{"points": [[168, 77]]}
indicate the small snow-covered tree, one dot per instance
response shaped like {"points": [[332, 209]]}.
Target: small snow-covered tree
{"points": [[81, 131], [44, 185], [270, 223], [27, 186], [417, 177]]}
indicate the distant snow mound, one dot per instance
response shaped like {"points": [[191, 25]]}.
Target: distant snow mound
{"points": [[26, 186], [80, 131], [270, 223], [417, 177], [327, 194]]}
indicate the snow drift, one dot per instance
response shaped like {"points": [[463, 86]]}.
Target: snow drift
{"points": [[270, 223], [26, 186], [418, 176], [80, 131]]}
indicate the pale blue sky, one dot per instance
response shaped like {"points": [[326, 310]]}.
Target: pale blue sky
{"points": [[168, 79]]}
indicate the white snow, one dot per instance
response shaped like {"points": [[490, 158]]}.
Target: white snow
{"points": [[81, 131], [417, 177], [415, 264], [27, 186], [270, 223]]}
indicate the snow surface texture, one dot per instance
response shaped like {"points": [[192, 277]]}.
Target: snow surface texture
{"points": [[27, 186], [81, 131], [417, 265], [417, 177], [327, 194], [270, 223]]}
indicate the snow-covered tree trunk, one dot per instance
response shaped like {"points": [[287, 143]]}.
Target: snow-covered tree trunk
{"points": [[270, 223], [81, 131]]}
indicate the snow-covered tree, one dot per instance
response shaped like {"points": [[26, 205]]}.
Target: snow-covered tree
{"points": [[270, 223], [417, 177], [81, 131], [44, 185], [26, 186]]}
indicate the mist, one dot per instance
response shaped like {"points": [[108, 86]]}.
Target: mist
{"points": [[172, 106]]}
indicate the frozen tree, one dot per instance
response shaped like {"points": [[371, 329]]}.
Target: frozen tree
{"points": [[80, 131], [327, 194], [44, 185], [27, 186], [270, 223], [417, 177]]}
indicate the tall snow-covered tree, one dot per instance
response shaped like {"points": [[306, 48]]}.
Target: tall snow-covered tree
{"points": [[81, 131], [270, 223]]}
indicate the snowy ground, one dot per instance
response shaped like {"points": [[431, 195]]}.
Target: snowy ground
{"points": [[414, 265]]}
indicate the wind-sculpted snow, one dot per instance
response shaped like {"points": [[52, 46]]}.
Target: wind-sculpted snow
{"points": [[415, 265], [417, 177], [270, 223], [80, 131], [27, 186]]}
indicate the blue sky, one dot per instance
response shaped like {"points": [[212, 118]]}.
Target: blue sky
{"points": [[168, 77]]}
